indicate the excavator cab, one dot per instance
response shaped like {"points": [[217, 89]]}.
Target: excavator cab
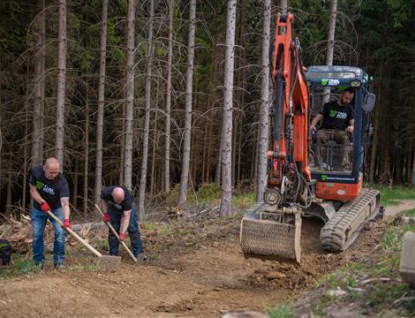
{"points": [[334, 163]]}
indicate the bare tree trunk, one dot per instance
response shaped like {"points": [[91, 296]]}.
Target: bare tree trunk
{"points": [[184, 179], [122, 147], [168, 100], [209, 150], [226, 197], [1, 125], [25, 154], [86, 161], [9, 192], [283, 6], [101, 101], [38, 85], [413, 169], [60, 103], [143, 181], [155, 144], [240, 64], [219, 164], [75, 184], [129, 114], [330, 44], [409, 165], [331, 33], [264, 112]]}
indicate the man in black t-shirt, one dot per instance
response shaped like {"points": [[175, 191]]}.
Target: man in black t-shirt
{"points": [[118, 204], [50, 192], [339, 116]]}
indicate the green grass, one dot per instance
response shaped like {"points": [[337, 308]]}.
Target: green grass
{"points": [[395, 195], [375, 283], [18, 267], [284, 310], [244, 201]]}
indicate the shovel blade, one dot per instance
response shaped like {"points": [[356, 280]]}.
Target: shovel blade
{"points": [[107, 263]]}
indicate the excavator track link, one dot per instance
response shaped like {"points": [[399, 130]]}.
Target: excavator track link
{"points": [[345, 225]]}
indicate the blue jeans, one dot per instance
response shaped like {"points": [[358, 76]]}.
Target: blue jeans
{"points": [[133, 231], [38, 225]]}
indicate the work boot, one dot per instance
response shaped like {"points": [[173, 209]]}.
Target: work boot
{"points": [[141, 258], [60, 266], [40, 265]]}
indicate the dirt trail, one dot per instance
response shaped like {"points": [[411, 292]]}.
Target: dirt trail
{"points": [[204, 278]]}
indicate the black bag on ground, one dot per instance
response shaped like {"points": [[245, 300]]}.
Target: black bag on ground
{"points": [[5, 252]]}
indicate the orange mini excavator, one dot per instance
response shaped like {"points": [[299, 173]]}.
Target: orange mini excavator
{"points": [[300, 184]]}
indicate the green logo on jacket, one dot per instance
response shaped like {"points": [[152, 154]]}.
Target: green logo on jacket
{"points": [[39, 185]]}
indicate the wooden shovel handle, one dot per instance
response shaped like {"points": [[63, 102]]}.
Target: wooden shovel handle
{"points": [[117, 236], [80, 239]]}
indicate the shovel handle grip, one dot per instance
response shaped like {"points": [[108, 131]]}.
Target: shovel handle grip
{"points": [[80, 239], [117, 236]]}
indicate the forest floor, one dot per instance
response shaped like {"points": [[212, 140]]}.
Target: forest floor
{"points": [[193, 270]]}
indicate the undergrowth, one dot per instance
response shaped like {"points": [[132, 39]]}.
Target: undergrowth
{"points": [[395, 195], [375, 285]]}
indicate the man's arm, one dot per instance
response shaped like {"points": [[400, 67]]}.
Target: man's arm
{"points": [[65, 207], [126, 221], [315, 121], [35, 194], [350, 128], [104, 205]]}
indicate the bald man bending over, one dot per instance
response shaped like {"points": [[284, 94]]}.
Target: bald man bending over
{"points": [[118, 204], [50, 192]]}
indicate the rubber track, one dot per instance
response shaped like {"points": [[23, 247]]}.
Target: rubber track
{"points": [[345, 225]]}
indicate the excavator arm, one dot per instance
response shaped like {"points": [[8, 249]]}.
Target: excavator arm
{"points": [[288, 157], [273, 228]]}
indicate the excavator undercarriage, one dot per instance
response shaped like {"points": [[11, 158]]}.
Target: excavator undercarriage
{"points": [[276, 232]]}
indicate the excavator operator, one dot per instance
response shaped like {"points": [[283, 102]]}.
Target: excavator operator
{"points": [[338, 116]]}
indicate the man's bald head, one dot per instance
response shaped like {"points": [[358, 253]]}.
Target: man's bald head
{"points": [[118, 194], [51, 168]]}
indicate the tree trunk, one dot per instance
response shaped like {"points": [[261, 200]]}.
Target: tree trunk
{"points": [[143, 181], [155, 144], [409, 166], [101, 105], [413, 170], [283, 6], [122, 148], [9, 192], [331, 33], [129, 114], [38, 85], [240, 94], [60, 103], [75, 175], [264, 111], [399, 158], [168, 100], [226, 197], [1, 131], [86, 161], [209, 149], [184, 179]]}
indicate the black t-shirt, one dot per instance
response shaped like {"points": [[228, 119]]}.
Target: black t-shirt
{"points": [[336, 116], [50, 190], [125, 205]]}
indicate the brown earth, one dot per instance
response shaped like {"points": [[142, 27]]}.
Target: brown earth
{"points": [[198, 272]]}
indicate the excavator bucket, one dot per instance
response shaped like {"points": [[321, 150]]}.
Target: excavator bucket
{"points": [[271, 235]]}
